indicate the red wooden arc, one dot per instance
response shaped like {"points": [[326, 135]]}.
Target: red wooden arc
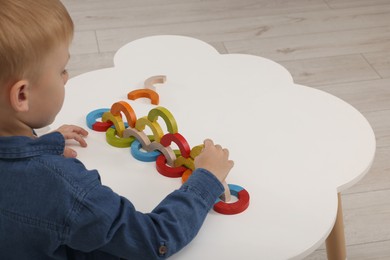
{"points": [[178, 139], [164, 169]]}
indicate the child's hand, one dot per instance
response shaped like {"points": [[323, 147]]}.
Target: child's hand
{"points": [[214, 159], [73, 132]]}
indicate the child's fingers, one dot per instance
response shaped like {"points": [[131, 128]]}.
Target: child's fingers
{"points": [[79, 130], [208, 143], [80, 139], [231, 163], [74, 132], [75, 136], [69, 153], [226, 152], [73, 128]]}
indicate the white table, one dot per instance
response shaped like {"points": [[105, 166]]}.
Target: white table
{"points": [[295, 148]]}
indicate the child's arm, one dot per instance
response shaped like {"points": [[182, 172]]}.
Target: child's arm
{"points": [[109, 223], [75, 133]]}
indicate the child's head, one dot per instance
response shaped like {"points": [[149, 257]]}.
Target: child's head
{"points": [[29, 30]]}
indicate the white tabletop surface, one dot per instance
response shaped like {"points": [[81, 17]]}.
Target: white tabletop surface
{"points": [[294, 147]]}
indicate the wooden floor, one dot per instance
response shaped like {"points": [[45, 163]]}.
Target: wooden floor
{"points": [[339, 46]]}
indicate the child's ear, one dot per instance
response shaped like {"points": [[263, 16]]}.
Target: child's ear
{"points": [[19, 95]]}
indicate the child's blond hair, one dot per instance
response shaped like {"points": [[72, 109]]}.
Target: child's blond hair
{"points": [[29, 30]]}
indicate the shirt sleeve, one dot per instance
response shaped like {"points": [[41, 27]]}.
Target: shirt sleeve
{"points": [[108, 222]]}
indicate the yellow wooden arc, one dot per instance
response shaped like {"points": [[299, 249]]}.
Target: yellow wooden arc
{"points": [[113, 140], [116, 120], [196, 150], [166, 115], [186, 162], [154, 126]]}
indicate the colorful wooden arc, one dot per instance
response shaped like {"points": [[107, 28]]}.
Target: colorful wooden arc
{"points": [[124, 107], [164, 169], [167, 152], [158, 79], [116, 120], [196, 150], [236, 207], [187, 162], [178, 139], [140, 136], [154, 126], [143, 156], [166, 116], [144, 93], [95, 125], [186, 175], [115, 141]]}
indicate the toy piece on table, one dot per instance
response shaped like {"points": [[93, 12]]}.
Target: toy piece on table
{"points": [[154, 126], [226, 196], [95, 125], [167, 152], [189, 162], [178, 139], [166, 115], [158, 79], [236, 207], [102, 126], [196, 150], [143, 156], [140, 136], [124, 107], [115, 141], [164, 169], [144, 93], [186, 162], [116, 120], [186, 174], [177, 152]]}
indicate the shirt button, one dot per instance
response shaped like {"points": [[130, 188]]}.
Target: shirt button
{"points": [[163, 250]]}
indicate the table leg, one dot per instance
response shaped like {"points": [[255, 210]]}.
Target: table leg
{"points": [[335, 243]]}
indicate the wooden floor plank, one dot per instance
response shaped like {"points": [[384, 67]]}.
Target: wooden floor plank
{"points": [[370, 251], [366, 95], [380, 61], [316, 45], [330, 70], [84, 42], [82, 63], [379, 176], [121, 13], [366, 217], [354, 3], [249, 28]]}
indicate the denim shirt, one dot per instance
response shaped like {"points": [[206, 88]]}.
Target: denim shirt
{"points": [[52, 207]]}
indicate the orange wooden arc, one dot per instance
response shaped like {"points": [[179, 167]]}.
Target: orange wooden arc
{"points": [[186, 175], [124, 107], [144, 93]]}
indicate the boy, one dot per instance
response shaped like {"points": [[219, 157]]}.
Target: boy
{"points": [[51, 206]]}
